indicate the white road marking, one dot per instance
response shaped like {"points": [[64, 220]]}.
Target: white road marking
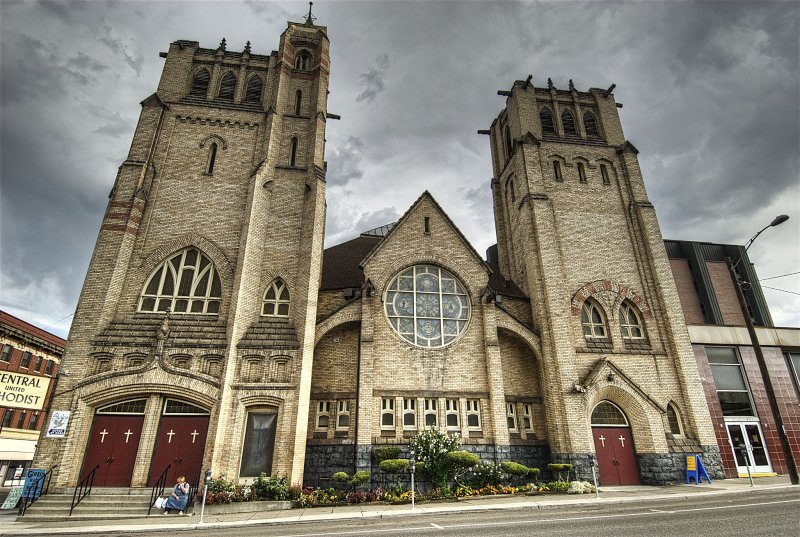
{"points": [[437, 526]]}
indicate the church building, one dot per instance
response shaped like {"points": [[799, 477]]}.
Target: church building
{"points": [[215, 331]]}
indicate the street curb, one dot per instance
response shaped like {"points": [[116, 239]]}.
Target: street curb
{"points": [[438, 509]]}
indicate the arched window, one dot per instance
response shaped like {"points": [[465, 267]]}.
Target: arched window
{"points": [[212, 158], [298, 101], [227, 87], [590, 124], [253, 92], [507, 140], [568, 122], [546, 117], [302, 61], [293, 152], [674, 419], [593, 320], [200, 83], [276, 300], [186, 282], [608, 414], [629, 322]]}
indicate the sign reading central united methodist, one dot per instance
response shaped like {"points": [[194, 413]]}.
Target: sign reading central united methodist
{"points": [[18, 390]]}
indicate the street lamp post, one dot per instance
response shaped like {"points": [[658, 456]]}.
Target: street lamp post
{"points": [[762, 365]]}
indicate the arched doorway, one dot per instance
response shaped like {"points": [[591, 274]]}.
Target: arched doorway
{"points": [[613, 444], [113, 443], [180, 442]]}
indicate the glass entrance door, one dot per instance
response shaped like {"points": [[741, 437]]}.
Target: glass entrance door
{"points": [[747, 443]]}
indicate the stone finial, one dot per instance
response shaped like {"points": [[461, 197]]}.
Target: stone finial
{"points": [[223, 45], [247, 47], [309, 17], [571, 85], [550, 84]]}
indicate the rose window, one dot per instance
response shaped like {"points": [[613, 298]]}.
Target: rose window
{"points": [[427, 306]]}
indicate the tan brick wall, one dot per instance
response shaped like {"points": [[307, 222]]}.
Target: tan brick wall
{"points": [[686, 291], [725, 293]]}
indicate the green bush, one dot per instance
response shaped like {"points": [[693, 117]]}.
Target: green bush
{"points": [[341, 477], [386, 452], [220, 484], [431, 446], [533, 473], [393, 466], [271, 487], [559, 471], [463, 459], [359, 478], [514, 468], [482, 475], [560, 487]]}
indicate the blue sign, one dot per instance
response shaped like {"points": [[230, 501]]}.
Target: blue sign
{"points": [[695, 470], [33, 475]]}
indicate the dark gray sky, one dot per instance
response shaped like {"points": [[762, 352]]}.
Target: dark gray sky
{"points": [[711, 94]]}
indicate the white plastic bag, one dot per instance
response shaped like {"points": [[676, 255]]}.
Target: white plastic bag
{"points": [[159, 504]]}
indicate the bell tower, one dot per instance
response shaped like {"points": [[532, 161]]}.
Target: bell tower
{"points": [[577, 232]]}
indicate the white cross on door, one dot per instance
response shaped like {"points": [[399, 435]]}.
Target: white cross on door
{"points": [[127, 434], [103, 434], [602, 440], [622, 440], [171, 433], [194, 435]]}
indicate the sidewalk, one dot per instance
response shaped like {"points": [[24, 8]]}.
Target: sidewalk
{"points": [[173, 522]]}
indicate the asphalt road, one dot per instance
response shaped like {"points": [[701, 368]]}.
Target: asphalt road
{"points": [[762, 513]]}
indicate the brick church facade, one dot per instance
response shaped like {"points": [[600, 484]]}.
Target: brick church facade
{"points": [[214, 331]]}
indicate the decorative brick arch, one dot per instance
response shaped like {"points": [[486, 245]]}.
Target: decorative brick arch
{"points": [[351, 313], [214, 138], [160, 253], [506, 322], [261, 400], [610, 295], [382, 278], [111, 390]]}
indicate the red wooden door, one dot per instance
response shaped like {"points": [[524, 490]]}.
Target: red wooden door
{"points": [[113, 444], [180, 443], [615, 456]]}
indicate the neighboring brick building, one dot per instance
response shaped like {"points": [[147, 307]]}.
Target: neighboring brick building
{"points": [[728, 368], [279, 358], [28, 350]]}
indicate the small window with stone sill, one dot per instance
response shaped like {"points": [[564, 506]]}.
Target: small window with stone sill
{"points": [[511, 416], [430, 413], [451, 415], [527, 417], [323, 415], [387, 413], [674, 420], [410, 414], [474, 414], [342, 415], [593, 321]]}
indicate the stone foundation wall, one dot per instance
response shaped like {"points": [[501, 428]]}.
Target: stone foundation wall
{"points": [[322, 461], [666, 468]]}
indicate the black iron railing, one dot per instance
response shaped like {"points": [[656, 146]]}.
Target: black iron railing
{"points": [[193, 490], [83, 489], [158, 488], [39, 487]]}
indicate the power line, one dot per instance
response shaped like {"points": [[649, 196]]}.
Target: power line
{"points": [[781, 276], [58, 321], [776, 289]]}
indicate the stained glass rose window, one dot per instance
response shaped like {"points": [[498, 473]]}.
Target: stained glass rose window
{"points": [[427, 306]]}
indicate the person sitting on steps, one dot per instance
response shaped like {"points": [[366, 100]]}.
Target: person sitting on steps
{"points": [[179, 497]]}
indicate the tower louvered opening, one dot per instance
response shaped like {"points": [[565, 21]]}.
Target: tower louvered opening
{"points": [[254, 87], [200, 83], [227, 87]]}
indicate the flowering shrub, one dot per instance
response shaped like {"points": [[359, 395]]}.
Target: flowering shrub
{"points": [[483, 474], [431, 447], [271, 488]]}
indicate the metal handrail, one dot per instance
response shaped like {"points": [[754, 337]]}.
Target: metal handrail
{"points": [[27, 501], [85, 486], [193, 489], [158, 488]]}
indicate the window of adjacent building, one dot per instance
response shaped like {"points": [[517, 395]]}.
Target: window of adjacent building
{"points": [[21, 420], [34, 421], [409, 414], [674, 420], [276, 300], [293, 152], [629, 322], [212, 158], [254, 89], [593, 320], [48, 369], [343, 414], [298, 102], [259, 444], [323, 415], [227, 87], [604, 174], [6, 356], [581, 172], [429, 410], [39, 361], [511, 416], [26, 360], [451, 414], [187, 282], [794, 362], [302, 61], [729, 379], [527, 417], [8, 417], [548, 125], [387, 413], [557, 171], [473, 414], [427, 306], [590, 124], [200, 83], [568, 122]]}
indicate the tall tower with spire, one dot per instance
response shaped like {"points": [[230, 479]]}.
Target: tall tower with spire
{"points": [[193, 340]]}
